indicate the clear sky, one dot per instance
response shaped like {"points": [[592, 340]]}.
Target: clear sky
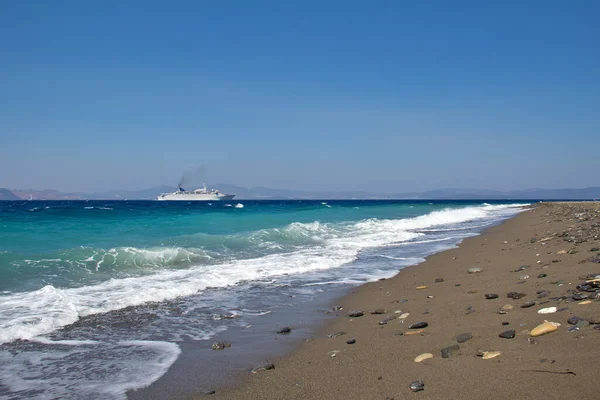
{"points": [[382, 96]]}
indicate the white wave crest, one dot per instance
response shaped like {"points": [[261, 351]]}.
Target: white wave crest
{"points": [[26, 315]]}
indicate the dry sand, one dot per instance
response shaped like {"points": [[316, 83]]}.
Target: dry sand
{"points": [[380, 365]]}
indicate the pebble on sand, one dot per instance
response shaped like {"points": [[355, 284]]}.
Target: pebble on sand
{"points": [[351, 341], [506, 307], [265, 367], [491, 296], [547, 310], [463, 337], [356, 314], [285, 329], [490, 354], [508, 334], [584, 302], [417, 386], [421, 287], [474, 270], [528, 304], [544, 328], [423, 357], [418, 325], [449, 351]]}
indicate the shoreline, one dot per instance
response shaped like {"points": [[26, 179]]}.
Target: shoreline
{"points": [[380, 362]]}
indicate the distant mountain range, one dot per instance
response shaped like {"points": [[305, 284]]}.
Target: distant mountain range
{"points": [[263, 193]]}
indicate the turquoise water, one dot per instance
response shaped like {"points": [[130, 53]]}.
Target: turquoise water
{"points": [[75, 276]]}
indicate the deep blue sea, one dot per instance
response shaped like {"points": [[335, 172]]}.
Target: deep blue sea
{"points": [[114, 288]]}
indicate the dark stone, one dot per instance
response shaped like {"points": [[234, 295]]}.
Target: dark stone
{"points": [[450, 350], [463, 337], [542, 275], [265, 367], [377, 311], [574, 320], [521, 268], [505, 323], [351, 341], [417, 386], [210, 392], [542, 294], [418, 325], [579, 297], [595, 249], [285, 329], [515, 295], [337, 308], [508, 334], [220, 345], [439, 280], [356, 314], [457, 284], [491, 296], [528, 304]]}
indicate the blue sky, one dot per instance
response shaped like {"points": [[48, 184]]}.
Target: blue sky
{"points": [[340, 95]]}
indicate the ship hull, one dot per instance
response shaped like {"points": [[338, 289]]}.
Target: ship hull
{"points": [[194, 197]]}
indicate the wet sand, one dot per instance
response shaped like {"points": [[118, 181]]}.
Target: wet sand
{"points": [[556, 243]]}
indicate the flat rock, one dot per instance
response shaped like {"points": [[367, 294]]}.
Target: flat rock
{"points": [[574, 320], [542, 275], [377, 311], [265, 367], [474, 270], [491, 296], [515, 295], [423, 357], [528, 304], [450, 351], [508, 334], [417, 386], [220, 345], [285, 329], [418, 325], [356, 314], [463, 337], [351, 341], [506, 307], [544, 328], [439, 280]]}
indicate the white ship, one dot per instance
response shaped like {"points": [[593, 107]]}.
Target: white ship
{"points": [[196, 195]]}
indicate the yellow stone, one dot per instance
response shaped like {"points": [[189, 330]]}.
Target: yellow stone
{"points": [[544, 328], [490, 354], [585, 302], [421, 287], [423, 357], [561, 252], [414, 332]]}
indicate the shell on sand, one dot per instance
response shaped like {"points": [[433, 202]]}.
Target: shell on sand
{"points": [[423, 357], [490, 354], [544, 328], [421, 287], [584, 302], [548, 310], [414, 332]]}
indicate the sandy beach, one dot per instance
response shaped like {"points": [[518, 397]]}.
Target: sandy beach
{"points": [[538, 259]]}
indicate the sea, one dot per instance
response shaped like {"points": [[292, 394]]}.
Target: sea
{"points": [[102, 298]]}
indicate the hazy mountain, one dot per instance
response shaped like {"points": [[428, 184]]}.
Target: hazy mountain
{"points": [[259, 193], [6, 194]]}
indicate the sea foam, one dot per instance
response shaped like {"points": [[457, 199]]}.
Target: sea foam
{"points": [[30, 314]]}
